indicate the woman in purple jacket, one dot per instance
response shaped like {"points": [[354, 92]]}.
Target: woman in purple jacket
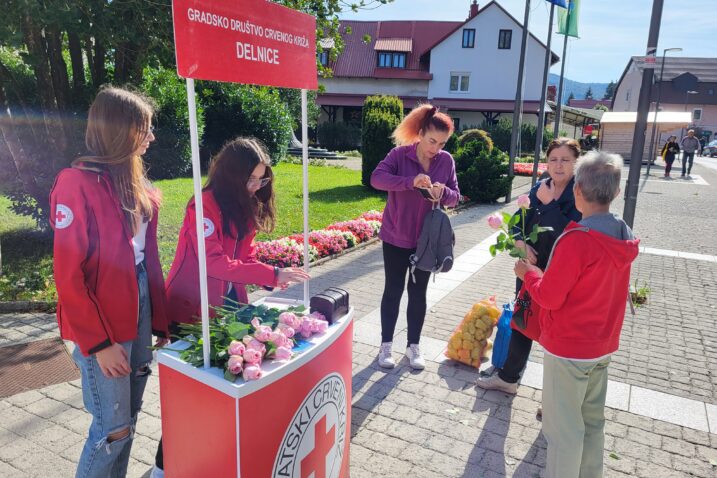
{"points": [[418, 162]]}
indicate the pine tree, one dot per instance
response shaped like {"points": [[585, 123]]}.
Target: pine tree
{"points": [[589, 93], [610, 91], [571, 97]]}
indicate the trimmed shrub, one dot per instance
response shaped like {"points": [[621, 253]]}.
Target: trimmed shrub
{"points": [[478, 135], [339, 136], [170, 155], [482, 175], [452, 144], [241, 110], [380, 116]]}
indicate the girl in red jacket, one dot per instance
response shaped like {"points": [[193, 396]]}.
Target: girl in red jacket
{"points": [[109, 279], [238, 200]]}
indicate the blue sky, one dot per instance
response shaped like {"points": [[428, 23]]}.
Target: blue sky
{"points": [[610, 30]]}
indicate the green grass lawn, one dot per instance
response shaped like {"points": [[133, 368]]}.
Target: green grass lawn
{"points": [[335, 194]]}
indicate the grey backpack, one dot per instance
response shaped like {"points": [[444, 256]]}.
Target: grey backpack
{"points": [[434, 252]]}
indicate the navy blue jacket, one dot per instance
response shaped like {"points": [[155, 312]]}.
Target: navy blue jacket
{"points": [[555, 214]]}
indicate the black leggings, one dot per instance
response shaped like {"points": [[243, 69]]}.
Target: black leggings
{"points": [[517, 359], [396, 264]]}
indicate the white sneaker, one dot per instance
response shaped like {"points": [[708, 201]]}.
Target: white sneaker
{"points": [[494, 382], [415, 358], [385, 359], [156, 472]]}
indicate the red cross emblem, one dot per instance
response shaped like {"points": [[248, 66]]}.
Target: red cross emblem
{"points": [[63, 216], [315, 462], [208, 227]]}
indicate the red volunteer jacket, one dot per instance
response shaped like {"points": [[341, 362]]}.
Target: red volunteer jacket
{"points": [[583, 293], [98, 296], [228, 262]]}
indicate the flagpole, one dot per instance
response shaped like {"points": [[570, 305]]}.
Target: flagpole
{"points": [[541, 115], [517, 106], [558, 105]]}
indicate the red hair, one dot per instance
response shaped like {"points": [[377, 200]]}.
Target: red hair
{"points": [[422, 118]]}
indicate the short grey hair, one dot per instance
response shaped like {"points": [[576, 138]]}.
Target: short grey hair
{"points": [[598, 175]]}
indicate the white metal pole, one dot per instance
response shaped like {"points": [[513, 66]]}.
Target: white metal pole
{"points": [[305, 162], [199, 206]]}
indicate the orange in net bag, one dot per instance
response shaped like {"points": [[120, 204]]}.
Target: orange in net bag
{"points": [[470, 341]]}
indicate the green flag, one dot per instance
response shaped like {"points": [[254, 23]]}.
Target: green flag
{"points": [[568, 19]]}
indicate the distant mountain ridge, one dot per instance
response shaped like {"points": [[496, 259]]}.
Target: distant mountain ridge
{"points": [[577, 88]]}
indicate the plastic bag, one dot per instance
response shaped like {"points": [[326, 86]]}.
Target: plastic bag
{"points": [[470, 341], [502, 337]]}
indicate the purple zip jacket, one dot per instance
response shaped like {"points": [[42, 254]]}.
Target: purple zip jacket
{"points": [[406, 207]]}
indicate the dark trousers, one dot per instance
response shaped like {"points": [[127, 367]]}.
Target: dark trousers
{"points": [[396, 265], [517, 359], [668, 164], [687, 156]]}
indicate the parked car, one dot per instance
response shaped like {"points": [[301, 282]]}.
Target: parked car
{"points": [[711, 149]]}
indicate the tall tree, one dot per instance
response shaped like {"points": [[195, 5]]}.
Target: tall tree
{"points": [[589, 93], [609, 91]]}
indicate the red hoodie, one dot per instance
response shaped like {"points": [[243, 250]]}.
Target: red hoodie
{"points": [[583, 293], [94, 265], [228, 262]]}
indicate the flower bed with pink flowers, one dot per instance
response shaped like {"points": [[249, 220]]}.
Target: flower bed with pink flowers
{"points": [[526, 169], [243, 337], [336, 238]]}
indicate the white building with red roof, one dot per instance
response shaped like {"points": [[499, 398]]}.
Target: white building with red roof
{"points": [[467, 68]]}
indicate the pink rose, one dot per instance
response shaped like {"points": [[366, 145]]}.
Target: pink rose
{"points": [[247, 339], [236, 348], [256, 345], [289, 319], [323, 326], [495, 221], [523, 201], [286, 330], [317, 315], [263, 333], [278, 338], [252, 356], [306, 329], [235, 364], [256, 322], [282, 353], [252, 372]]}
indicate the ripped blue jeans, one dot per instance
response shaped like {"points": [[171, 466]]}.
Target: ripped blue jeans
{"points": [[115, 402]]}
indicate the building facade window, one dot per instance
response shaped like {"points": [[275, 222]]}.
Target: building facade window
{"points": [[505, 37], [324, 58], [469, 37], [388, 59], [460, 82], [696, 114]]}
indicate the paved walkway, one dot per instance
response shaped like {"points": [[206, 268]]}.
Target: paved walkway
{"points": [[436, 423]]}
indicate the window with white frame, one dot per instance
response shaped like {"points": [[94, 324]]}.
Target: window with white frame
{"points": [[324, 57], [459, 82], [696, 114]]}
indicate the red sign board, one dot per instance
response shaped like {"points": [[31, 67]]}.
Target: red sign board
{"points": [[245, 41]]}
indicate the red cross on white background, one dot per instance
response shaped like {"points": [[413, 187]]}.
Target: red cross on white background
{"points": [[315, 462]]}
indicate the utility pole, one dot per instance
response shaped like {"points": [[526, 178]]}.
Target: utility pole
{"points": [[518, 105], [541, 115], [643, 107]]}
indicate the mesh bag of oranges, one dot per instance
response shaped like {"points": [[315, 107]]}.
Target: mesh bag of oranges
{"points": [[471, 339]]}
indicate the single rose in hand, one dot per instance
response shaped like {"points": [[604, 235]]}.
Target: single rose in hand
{"points": [[495, 221], [523, 201]]}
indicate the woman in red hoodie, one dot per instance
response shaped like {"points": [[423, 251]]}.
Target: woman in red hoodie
{"points": [[238, 200], [109, 280]]}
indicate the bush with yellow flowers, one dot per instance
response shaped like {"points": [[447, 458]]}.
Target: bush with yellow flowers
{"points": [[470, 341]]}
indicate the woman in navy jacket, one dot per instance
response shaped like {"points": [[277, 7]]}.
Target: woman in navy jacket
{"points": [[552, 204]]}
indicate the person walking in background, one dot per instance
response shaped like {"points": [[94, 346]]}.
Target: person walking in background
{"points": [[582, 295], [552, 204], [418, 162], [109, 279], [689, 144], [669, 151], [238, 201]]}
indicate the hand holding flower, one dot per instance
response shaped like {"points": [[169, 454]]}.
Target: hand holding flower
{"points": [[522, 267]]}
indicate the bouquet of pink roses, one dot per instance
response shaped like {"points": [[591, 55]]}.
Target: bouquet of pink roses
{"points": [[245, 336]]}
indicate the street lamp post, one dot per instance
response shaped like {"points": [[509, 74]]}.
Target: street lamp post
{"points": [[653, 144]]}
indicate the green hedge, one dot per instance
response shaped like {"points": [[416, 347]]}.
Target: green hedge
{"points": [[339, 136], [482, 174], [170, 155], [380, 116]]}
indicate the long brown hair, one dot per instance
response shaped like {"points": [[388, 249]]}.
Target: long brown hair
{"points": [[228, 175], [421, 119], [117, 125]]}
